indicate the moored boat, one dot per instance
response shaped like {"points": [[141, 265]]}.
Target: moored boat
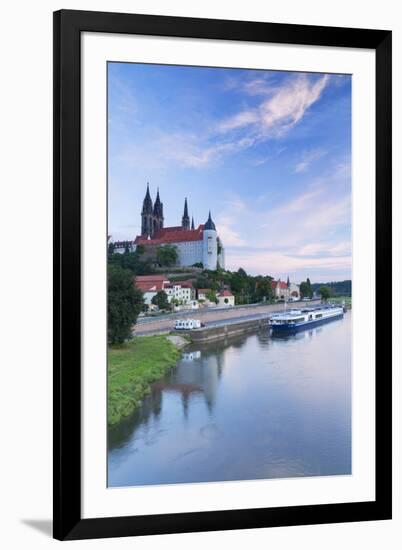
{"points": [[299, 319]]}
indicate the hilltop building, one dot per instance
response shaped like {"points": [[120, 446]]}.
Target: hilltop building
{"points": [[195, 245]]}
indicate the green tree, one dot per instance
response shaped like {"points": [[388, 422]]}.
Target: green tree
{"points": [[304, 290], [131, 261], [211, 296], [125, 302], [161, 300], [324, 292], [167, 255], [263, 290]]}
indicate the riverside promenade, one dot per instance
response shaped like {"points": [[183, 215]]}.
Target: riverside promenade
{"points": [[213, 317]]}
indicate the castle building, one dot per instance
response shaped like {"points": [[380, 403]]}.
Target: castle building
{"points": [[195, 245]]}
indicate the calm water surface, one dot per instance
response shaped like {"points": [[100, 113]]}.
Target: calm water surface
{"points": [[249, 408]]}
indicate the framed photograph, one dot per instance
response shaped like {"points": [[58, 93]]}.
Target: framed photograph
{"points": [[222, 274]]}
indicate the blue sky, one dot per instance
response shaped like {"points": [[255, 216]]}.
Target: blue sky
{"points": [[268, 152]]}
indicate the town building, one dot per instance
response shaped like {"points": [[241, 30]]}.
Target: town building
{"points": [[182, 292], [225, 298], [202, 294], [194, 245], [285, 291], [150, 285]]}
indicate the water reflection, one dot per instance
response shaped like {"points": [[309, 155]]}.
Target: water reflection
{"points": [[245, 408]]}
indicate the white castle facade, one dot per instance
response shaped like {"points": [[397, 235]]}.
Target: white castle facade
{"points": [[194, 245]]}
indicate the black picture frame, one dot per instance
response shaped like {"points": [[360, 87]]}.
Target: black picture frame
{"points": [[68, 522]]}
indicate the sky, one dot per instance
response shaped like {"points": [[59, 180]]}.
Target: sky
{"points": [[268, 152]]}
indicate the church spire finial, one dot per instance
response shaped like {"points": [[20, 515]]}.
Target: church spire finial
{"points": [[185, 221], [192, 222]]}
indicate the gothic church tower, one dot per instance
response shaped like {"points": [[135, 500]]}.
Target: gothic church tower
{"points": [[185, 221], [147, 215], [158, 214]]}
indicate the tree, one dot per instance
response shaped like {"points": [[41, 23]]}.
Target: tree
{"points": [[211, 296], [304, 290], [263, 290], [125, 302], [167, 255], [161, 300], [131, 261], [324, 292]]}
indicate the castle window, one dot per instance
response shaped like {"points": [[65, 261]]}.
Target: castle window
{"points": [[209, 245]]}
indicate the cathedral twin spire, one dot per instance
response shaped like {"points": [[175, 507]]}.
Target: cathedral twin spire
{"points": [[152, 216], [185, 221]]}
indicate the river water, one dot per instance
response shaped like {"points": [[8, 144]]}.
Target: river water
{"points": [[252, 407]]}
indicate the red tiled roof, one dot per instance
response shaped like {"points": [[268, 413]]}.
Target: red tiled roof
{"points": [[282, 285], [172, 235], [151, 278], [150, 283], [149, 287], [225, 293]]}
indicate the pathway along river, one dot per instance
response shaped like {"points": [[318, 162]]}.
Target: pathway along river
{"points": [[253, 407]]}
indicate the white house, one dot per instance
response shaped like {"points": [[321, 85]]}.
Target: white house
{"points": [[225, 298], [182, 292]]}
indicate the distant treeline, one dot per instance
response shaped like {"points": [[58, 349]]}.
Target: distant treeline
{"points": [[338, 288]]}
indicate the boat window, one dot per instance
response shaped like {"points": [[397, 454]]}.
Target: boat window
{"points": [[318, 315]]}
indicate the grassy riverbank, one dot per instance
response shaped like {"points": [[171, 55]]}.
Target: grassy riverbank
{"points": [[132, 367]]}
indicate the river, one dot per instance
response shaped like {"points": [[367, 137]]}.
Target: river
{"points": [[250, 408]]}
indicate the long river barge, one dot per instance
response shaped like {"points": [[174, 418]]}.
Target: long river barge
{"points": [[299, 319]]}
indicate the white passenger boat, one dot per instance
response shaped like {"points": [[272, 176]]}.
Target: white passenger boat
{"points": [[298, 319]]}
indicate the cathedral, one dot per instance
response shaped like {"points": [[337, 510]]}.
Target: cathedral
{"points": [[195, 245]]}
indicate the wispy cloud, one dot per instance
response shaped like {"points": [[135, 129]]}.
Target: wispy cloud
{"points": [[189, 150], [281, 110], [301, 234], [280, 264], [307, 158], [228, 221]]}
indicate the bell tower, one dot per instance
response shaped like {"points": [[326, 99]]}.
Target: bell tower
{"points": [[158, 213], [185, 221], [147, 217]]}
